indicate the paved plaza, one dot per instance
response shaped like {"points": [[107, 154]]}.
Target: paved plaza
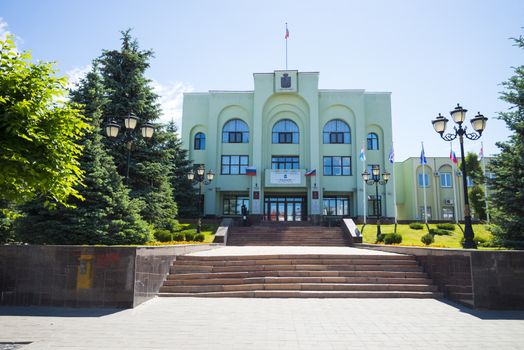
{"points": [[229, 323]]}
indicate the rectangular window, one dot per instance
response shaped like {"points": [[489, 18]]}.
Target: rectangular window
{"points": [[423, 182], [445, 180], [448, 213], [336, 137], [336, 206], [428, 212], [235, 137], [374, 205], [234, 165], [233, 204], [337, 166], [284, 162], [285, 137]]}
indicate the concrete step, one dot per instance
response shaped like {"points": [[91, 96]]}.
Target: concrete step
{"points": [[299, 286], [247, 268], [247, 280], [308, 294], [293, 257], [295, 262], [294, 273]]}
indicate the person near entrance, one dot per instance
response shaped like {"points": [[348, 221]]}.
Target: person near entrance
{"points": [[244, 214]]}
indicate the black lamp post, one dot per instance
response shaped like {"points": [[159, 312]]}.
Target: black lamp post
{"points": [[199, 177], [130, 122], [479, 124], [375, 179]]}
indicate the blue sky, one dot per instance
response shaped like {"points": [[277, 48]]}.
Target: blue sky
{"points": [[430, 55]]}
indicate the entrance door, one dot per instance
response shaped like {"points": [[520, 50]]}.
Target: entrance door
{"points": [[284, 208]]}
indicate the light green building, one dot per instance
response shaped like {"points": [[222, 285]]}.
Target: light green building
{"points": [[284, 130], [443, 187]]}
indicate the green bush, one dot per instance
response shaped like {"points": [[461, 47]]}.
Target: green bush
{"points": [[416, 226], [199, 237], [427, 239], [393, 238], [380, 238], [178, 236], [439, 232], [189, 234], [163, 235], [446, 226]]}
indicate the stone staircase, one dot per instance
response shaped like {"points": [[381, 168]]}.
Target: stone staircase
{"points": [[298, 276], [286, 234]]}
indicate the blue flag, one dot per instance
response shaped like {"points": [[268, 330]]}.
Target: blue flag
{"points": [[423, 156], [391, 156], [362, 155]]}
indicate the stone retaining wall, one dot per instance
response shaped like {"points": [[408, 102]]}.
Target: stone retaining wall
{"points": [[84, 276]]}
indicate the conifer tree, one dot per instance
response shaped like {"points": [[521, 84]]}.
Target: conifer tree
{"points": [[507, 186], [107, 215], [183, 189], [129, 91]]}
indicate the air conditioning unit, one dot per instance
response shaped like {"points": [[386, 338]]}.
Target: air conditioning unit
{"points": [[448, 201]]}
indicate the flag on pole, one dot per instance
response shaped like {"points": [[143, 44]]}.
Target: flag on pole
{"points": [[311, 173], [251, 171], [287, 33], [362, 155], [423, 159], [453, 157], [391, 156], [481, 153]]}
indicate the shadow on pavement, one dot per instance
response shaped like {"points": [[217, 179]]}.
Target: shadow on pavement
{"points": [[487, 314], [55, 311]]}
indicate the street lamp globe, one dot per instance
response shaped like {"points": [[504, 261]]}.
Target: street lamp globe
{"points": [[458, 114], [191, 176], [365, 176], [479, 123], [201, 171], [385, 176], [439, 124], [147, 130], [130, 121], [210, 175], [112, 129]]}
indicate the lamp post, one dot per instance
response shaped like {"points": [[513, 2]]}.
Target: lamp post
{"points": [[375, 179], [479, 124], [201, 179], [130, 122]]}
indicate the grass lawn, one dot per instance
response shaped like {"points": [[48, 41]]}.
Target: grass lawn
{"points": [[412, 237], [208, 229]]}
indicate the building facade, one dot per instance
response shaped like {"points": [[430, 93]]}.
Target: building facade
{"points": [[441, 183], [288, 150]]}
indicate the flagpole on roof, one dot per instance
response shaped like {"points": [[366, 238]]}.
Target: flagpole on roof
{"points": [[286, 36]]}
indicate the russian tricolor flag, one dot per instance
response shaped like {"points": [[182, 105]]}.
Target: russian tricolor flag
{"points": [[312, 172], [251, 171]]}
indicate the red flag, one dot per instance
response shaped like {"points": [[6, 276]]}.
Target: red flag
{"points": [[453, 157], [287, 34]]}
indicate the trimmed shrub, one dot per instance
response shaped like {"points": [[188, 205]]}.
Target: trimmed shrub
{"points": [[163, 235], [416, 226], [178, 236], [446, 226], [439, 232], [380, 238], [190, 235], [393, 238], [427, 239], [199, 237]]}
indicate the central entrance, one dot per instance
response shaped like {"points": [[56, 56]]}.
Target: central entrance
{"points": [[285, 208]]}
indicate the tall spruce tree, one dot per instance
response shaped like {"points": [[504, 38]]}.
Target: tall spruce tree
{"points": [[476, 193], [129, 91], [507, 187], [107, 215], [183, 190]]}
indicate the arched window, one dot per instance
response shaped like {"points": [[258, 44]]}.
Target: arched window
{"points": [[235, 131], [372, 141], [285, 131], [337, 131], [200, 141]]}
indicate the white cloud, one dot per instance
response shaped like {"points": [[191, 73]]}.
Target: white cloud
{"points": [[3, 29], [170, 99], [76, 74]]}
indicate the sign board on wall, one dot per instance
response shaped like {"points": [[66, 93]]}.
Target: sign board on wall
{"points": [[287, 177]]}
